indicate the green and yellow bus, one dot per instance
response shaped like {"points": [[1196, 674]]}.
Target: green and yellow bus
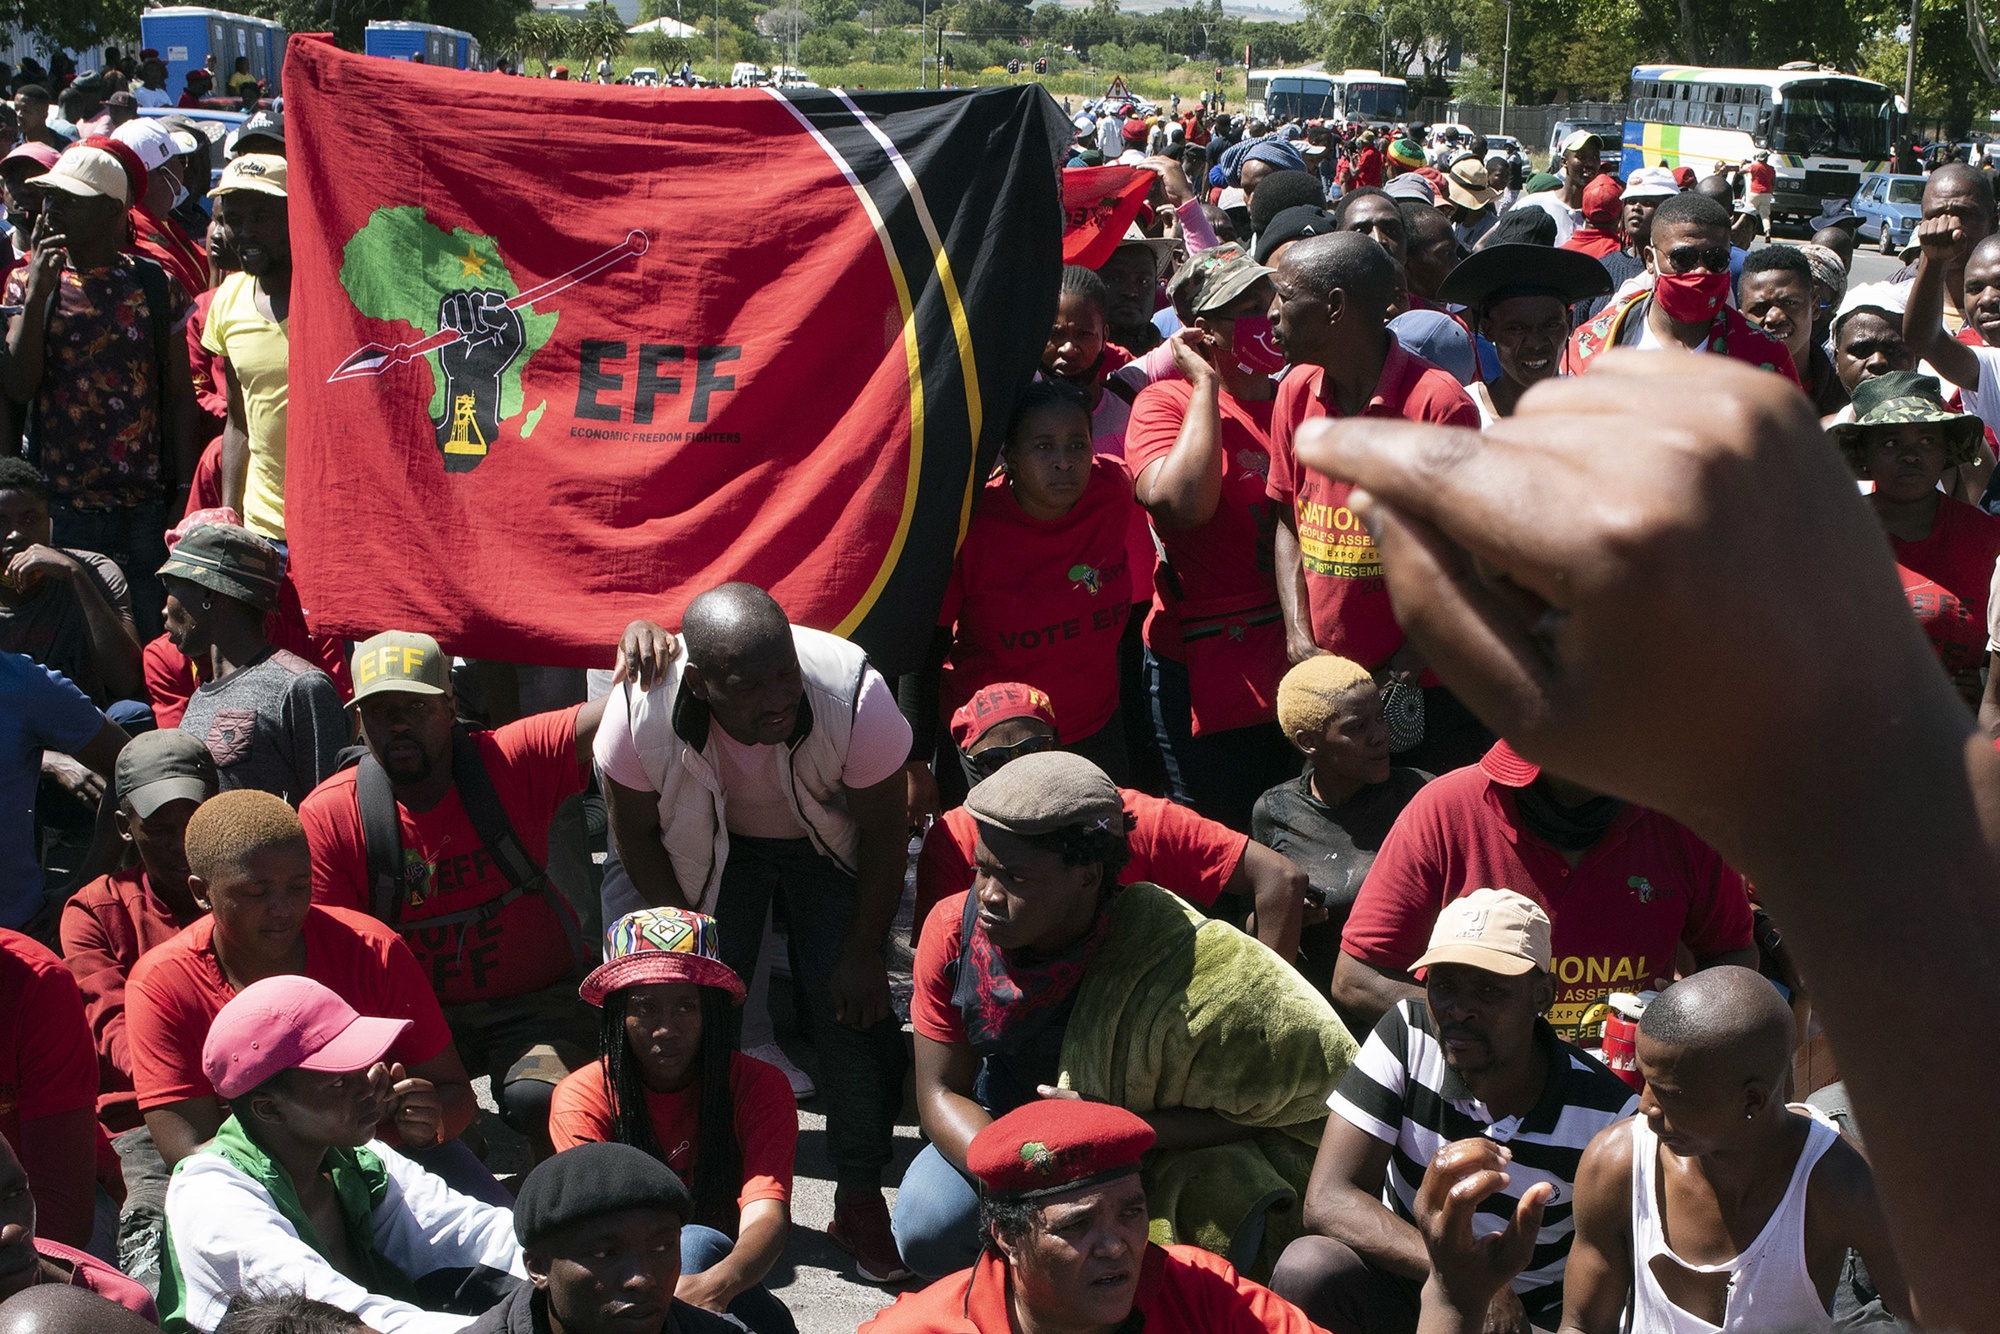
{"points": [[1824, 131]]}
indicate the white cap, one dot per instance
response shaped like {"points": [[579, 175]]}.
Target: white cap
{"points": [[1651, 183], [152, 141], [1893, 297], [86, 171]]}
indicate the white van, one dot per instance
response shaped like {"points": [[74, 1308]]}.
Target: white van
{"points": [[746, 75]]}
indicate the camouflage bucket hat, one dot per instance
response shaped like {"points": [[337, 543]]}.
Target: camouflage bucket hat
{"points": [[1904, 398]]}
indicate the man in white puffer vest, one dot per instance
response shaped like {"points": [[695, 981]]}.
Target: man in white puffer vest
{"points": [[769, 761]]}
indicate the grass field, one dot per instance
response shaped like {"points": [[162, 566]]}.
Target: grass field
{"points": [[1158, 86]]}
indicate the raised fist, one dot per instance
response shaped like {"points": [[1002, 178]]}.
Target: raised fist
{"points": [[493, 335]]}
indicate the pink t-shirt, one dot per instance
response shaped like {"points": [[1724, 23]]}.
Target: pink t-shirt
{"points": [[753, 777]]}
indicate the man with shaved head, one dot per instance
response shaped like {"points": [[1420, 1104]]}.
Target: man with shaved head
{"points": [[1332, 317], [1965, 197], [768, 761], [57, 1308], [1718, 1194]]}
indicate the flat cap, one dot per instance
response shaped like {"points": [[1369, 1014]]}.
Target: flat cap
{"points": [[594, 1179], [1040, 793]]}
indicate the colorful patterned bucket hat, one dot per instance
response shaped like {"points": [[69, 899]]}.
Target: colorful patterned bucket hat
{"points": [[661, 945]]}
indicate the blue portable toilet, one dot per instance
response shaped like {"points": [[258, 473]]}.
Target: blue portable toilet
{"points": [[190, 37], [400, 39]]}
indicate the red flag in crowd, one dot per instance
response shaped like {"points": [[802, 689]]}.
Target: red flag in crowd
{"points": [[1099, 203], [565, 355]]}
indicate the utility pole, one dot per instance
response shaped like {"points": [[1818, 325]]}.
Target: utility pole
{"points": [[1910, 63], [923, 43], [1506, 59]]}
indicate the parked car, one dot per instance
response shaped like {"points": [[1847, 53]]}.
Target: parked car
{"points": [[747, 75], [214, 126], [1610, 131], [1890, 208]]}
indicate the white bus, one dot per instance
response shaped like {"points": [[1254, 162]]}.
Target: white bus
{"points": [[1362, 96], [1824, 131]]}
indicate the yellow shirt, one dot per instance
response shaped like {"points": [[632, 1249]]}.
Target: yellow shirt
{"points": [[257, 348]]}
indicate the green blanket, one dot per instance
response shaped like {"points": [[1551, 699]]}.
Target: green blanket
{"points": [[1180, 1011]]}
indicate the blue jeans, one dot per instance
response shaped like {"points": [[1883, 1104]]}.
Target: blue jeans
{"points": [[936, 1221], [136, 538], [703, 1248], [861, 1071]]}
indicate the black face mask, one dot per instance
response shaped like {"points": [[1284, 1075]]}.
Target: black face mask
{"points": [[993, 759], [1571, 828]]}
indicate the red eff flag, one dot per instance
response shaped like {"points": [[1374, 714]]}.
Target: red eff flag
{"points": [[564, 355], [1099, 203]]}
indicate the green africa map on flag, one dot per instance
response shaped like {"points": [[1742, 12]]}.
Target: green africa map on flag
{"points": [[401, 267]]}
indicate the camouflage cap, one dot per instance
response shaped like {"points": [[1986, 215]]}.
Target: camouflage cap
{"points": [[1905, 398], [232, 561], [1212, 278]]}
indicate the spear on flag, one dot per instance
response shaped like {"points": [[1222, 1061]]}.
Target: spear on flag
{"points": [[373, 358]]}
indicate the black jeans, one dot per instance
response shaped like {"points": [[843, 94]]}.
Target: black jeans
{"points": [[1220, 774], [136, 538], [860, 1070]]}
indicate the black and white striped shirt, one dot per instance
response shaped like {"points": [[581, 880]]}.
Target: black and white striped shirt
{"points": [[1400, 1090]]}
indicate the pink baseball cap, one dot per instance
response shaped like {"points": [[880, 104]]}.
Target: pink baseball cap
{"points": [[40, 154], [290, 1023]]}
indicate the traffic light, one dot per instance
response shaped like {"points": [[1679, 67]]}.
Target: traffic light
{"points": [[947, 60], [1042, 65]]}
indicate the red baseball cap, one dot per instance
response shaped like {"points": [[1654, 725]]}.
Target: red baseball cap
{"points": [[1600, 199], [1054, 1145], [1504, 765], [996, 704], [290, 1023]]}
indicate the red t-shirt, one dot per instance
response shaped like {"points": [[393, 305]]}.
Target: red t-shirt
{"points": [[932, 1013], [524, 947], [1042, 602], [1591, 241], [767, 1123], [1646, 887], [1229, 557], [106, 926], [178, 988], [1763, 176], [1947, 578], [1171, 847], [47, 1067], [1345, 592]]}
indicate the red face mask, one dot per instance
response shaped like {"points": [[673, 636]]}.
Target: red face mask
{"points": [[1691, 298], [1254, 348]]}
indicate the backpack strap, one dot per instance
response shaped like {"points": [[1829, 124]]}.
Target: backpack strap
{"points": [[489, 818], [382, 833]]}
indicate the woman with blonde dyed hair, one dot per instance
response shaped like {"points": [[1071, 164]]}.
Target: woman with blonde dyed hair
{"points": [[1332, 818]]}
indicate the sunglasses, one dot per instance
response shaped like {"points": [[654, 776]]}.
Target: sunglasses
{"points": [[1687, 257]]}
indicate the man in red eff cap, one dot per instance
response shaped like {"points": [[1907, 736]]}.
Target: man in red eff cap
{"points": [[1062, 1214], [1598, 236]]}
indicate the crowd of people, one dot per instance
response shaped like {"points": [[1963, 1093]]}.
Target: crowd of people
{"points": [[1261, 980]]}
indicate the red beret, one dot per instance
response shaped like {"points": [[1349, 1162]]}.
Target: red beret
{"points": [[1056, 1144], [1600, 199], [996, 704], [1134, 131], [1684, 176]]}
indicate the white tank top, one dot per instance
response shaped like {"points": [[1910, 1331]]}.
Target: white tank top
{"points": [[1770, 1289]]}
